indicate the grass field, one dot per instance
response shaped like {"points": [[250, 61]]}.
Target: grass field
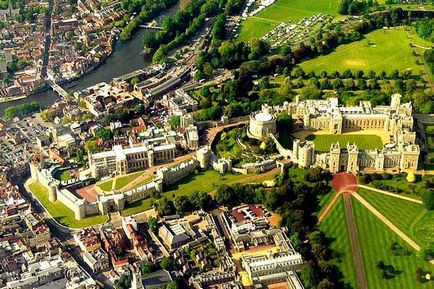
{"points": [[323, 141], [408, 189], [380, 50], [123, 181], [206, 182], [375, 241], [284, 10], [411, 218], [107, 185], [62, 213], [335, 227]]}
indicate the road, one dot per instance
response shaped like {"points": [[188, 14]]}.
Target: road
{"points": [[47, 42], [355, 246]]}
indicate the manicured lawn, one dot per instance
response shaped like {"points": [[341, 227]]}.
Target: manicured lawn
{"points": [[411, 218], [375, 239], [380, 50], [62, 213], [324, 200], [205, 181], [123, 181], [335, 227], [106, 186], [284, 10], [65, 175], [322, 142]]}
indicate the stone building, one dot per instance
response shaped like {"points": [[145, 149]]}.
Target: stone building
{"points": [[396, 120], [121, 161]]}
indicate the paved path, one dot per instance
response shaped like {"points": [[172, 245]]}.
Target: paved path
{"points": [[328, 208], [391, 194], [355, 246], [387, 222]]}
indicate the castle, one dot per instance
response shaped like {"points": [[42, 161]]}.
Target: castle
{"points": [[401, 153]]}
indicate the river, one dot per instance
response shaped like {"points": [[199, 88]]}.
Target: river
{"points": [[126, 57]]}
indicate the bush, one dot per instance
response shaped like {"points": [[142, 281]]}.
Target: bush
{"points": [[428, 200]]}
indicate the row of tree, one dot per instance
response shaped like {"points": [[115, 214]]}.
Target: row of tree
{"points": [[147, 9]]}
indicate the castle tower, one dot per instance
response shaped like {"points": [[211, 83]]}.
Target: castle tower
{"points": [[379, 161], [353, 158], [150, 157], [335, 157], [52, 192], [409, 158], [395, 100], [203, 156], [34, 171], [295, 150], [79, 209], [136, 282]]}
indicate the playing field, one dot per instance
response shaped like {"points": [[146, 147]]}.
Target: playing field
{"points": [[375, 240], [335, 227], [62, 213], [364, 142], [386, 50], [411, 218], [284, 10]]}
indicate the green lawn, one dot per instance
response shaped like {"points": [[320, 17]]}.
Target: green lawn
{"points": [[322, 142], [411, 218], [205, 181], [107, 185], [335, 227], [123, 181], [380, 50], [62, 213], [284, 10], [375, 241], [65, 175]]}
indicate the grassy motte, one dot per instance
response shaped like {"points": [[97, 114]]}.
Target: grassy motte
{"points": [[62, 213], [364, 142]]}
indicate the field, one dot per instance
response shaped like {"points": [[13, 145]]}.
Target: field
{"points": [[62, 213], [411, 218], [335, 227], [375, 241], [323, 141], [206, 182], [120, 182], [380, 50], [284, 10]]}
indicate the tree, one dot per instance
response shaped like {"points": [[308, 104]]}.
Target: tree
{"points": [[166, 263], [411, 178], [308, 275], [165, 207], [92, 146], [152, 223], [175, 121], [284, 123], [428, 199], [104, 133], [173, 285], [182, 204], [326, 284], [147, 268], [200, 200], [426, 252], [79, 156]]}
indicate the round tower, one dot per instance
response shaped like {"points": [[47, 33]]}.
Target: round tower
{"points": [[52, 192]]}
